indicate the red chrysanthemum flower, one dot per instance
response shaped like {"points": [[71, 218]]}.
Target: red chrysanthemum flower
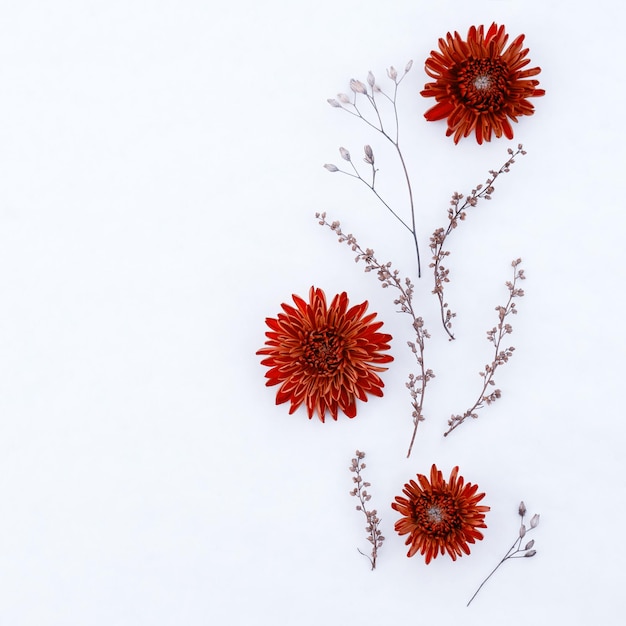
{"points": [[325, 356], [479, 85], [440, 516]]}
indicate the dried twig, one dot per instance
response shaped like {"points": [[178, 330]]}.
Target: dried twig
{"points": [[375, 536], [515, 551], [495, 336], [391, 278], [351, 106], [456, 213]]}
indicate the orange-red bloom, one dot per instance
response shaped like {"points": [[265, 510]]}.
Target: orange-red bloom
{"points": [[325, 356], [479, 85], [440, 516]]}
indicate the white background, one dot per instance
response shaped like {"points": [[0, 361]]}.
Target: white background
{"points": [[160, 166]]}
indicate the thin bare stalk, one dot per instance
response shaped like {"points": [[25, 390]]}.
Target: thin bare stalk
{"points": [[351, 107], [515, 551]]}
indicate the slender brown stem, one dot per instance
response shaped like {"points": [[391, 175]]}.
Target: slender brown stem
{"points": [[391, 278], [379, 127], [493, 571], [438, 239], [495, 335], [375, 537], [516, 549], [413, 229]]}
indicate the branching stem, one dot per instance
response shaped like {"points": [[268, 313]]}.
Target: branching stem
{"points": [[457, 213], [391, 278], [370, 94], [515, 551], [495, 336], [375, 536]]}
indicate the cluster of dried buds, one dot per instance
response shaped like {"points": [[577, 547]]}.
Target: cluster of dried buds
{"points": [[389, 277], [374, 535], [501, 356]]}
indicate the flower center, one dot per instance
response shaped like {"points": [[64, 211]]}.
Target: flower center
{"points": [[482, 84], [323, 352], [435, 514]]}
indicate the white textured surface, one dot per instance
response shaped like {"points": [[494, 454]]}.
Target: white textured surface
{"points": [[160, 165]]}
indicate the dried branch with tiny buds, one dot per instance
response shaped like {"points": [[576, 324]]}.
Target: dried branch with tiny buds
{"points": [[416, 384], [351, 105], [516, 551], [501, 356], [374, 536], [457, 213]]}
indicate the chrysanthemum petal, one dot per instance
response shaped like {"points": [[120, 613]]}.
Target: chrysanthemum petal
{"points": [[480, 86], [440, 516], [325, 357], [439, 111]]}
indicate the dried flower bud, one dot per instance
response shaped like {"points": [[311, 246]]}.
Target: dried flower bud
{"points": [[345, 155], [331, 168], [370, 79], [529, 545], [392, 73], [343, 98], [522, 508], [409, 65], [531, 553], [369, 155], [357, 86], [522, 530], [534, 521], [334, 103]]}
